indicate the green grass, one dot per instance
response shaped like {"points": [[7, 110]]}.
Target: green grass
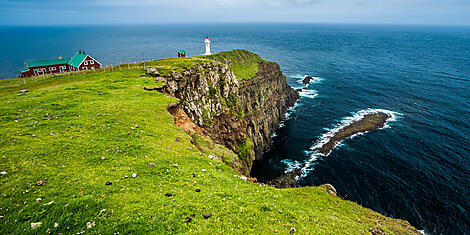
{"points": [[166, 66], [208, 147], [66, 124], [243, 63]]}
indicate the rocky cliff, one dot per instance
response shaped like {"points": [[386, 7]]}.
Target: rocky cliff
{"points": [[239, 113]]}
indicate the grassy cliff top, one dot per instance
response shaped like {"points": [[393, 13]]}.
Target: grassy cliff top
{"points": [[78, 132], [243, 63]]}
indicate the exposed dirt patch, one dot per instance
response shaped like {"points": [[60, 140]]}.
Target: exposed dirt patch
{"points": [[183, 121]]}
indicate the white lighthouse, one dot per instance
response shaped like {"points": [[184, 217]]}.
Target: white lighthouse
{"points": [[208, 46]]}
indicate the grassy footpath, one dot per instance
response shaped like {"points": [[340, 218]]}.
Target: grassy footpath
{"points": [[78, 132]]}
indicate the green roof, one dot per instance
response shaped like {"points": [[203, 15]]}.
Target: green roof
{"points": [[77, 59], [182, 51], [47, 62]]}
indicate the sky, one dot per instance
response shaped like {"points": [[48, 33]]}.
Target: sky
{"points": [[99, 12]]}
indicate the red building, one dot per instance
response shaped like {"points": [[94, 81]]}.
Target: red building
{"points": [[80, 61], [181, 53]]}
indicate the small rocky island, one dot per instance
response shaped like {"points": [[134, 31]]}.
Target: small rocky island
{"points": [[307, 80], [369, 122]]}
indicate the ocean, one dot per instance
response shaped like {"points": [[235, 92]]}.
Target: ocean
{"points": [[416, 168]]}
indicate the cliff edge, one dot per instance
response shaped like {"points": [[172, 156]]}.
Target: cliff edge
{"points": [[236, 98], [98, 151]]}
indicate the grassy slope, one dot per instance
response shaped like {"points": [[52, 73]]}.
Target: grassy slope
{"points": [[78, 119], [243, 63]]}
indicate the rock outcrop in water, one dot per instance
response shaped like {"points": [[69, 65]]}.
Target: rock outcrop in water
{"points": [[369, 122], [307, 80], [239, 114]]}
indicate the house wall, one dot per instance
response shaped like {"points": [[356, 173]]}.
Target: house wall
{"points": [[89, 63], [49, 70]]}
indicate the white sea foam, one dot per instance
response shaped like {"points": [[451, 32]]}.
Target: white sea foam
{"points": [[308, 93], [312, 81], [291, 165], [330, 132], [287, 115], [290, 111], [274, 135]]}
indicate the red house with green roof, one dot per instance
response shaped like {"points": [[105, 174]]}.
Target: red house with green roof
{"points": [[80, 61]]}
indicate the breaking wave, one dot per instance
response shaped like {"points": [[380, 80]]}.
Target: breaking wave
{"points": [[308, 93], [302, 77], [291, 165], [330, 132]]}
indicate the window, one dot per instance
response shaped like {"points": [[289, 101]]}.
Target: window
{"points": [[84, 68], [92, 62], [36, 72], [85, 63], [52, 69]]}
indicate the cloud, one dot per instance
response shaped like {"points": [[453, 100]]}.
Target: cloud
{"points": [[203, 3], [158, 11], [305, 2]]}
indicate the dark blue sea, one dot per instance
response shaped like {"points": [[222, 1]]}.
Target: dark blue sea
{"points": [[417, 168]]}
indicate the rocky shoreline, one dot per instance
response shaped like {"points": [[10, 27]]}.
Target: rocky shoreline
{"points": [[369, 122]]}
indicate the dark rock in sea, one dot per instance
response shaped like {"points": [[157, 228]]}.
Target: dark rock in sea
{"points": [[168, 194], [207, 216], [188, 219], [109, 183], [369, 122], [286, 180], [298, 90], [307, 80]]}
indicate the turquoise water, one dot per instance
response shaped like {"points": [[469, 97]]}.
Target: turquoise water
{"points": [[417, 168]]}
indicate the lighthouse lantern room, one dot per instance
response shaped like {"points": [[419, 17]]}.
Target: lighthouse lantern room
{"points": [[208, 46]]}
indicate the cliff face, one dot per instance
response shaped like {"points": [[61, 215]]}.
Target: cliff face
{"points": [[264, 100], [241, 115]]}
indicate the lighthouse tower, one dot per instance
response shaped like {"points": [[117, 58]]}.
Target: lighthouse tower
{"points": [[208, 46]]}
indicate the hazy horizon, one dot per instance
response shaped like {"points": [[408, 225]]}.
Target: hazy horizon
{"points": [[116, 12]]}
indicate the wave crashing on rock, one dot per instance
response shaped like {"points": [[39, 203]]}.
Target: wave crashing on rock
{"points": [[359, 123]]}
